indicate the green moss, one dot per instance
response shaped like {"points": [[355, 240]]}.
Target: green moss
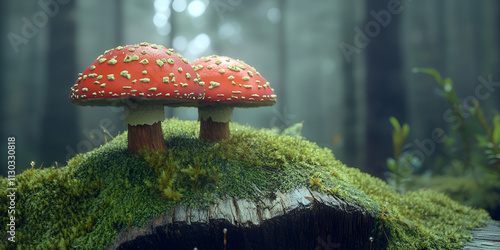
{"points": [[468, 190], [103, 192]]}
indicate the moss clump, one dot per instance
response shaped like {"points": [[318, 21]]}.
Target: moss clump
{"points": [[104, 192]]}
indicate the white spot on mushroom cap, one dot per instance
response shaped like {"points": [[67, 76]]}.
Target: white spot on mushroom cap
{"points": [[213, 84], [125, 73], [159, 62], [112, 61]]}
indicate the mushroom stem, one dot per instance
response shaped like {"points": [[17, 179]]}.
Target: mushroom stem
{"points": [[214, 123], [149, 137], [144, 128], [214, 131]]}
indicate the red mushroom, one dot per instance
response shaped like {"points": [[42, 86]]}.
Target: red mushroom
{"points": [[142, 78], [228, 83]]}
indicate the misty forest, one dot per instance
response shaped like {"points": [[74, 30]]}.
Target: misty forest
{"points": [[378, 124], [340, 70]]}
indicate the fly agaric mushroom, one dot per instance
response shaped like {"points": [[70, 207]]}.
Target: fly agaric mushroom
{"points": [[142, 78], [228, 83]]}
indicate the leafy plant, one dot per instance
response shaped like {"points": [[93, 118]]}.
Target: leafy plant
{"points": [[200, 175], [166, 168], [472, 151], [463, 128], [399, 166], [490, 141]]}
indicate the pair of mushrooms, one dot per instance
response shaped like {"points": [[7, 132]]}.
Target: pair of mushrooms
{"points": [[143, 78]]}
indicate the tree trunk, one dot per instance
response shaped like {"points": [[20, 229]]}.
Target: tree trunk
{"points": [[59, 120], [352, 149], [301, 219], [385, 94]]}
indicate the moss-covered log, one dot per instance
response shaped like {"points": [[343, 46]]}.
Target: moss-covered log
{"points": [[291, 193], [302, 219]]}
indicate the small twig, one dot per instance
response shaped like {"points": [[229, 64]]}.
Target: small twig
{"points": [[106, 131], [244, 153], [225, 242]]}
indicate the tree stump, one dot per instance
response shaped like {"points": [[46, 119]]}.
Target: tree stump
{"points": [[301, 219]]}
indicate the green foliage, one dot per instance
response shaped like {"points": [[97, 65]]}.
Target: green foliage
{"points": [[199, 175], [399, 166], [446, 86], [294, 130], [489, 142], [496, 130], [399, 135], [460, 145], [472, 148], [471, 155], [166, 168]]}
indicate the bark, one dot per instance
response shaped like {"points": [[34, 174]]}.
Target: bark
{"points": [[148, 137], [301, 219], [214, 131]]}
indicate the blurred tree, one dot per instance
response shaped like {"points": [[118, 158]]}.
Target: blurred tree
{"points": [[23, 76], [4, 44], [282, 55], [384, 84], [422, 40], [59, 120], [118, 5], [353, 125]]}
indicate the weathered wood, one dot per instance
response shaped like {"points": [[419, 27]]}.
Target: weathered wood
{"points": [[301, 219], [485, 237]]}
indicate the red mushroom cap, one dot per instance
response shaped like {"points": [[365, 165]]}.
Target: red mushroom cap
{"points": [[144, 71], [232, 82]]}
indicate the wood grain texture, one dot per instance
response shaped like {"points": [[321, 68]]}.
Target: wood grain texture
{"points": [[485, 237], [301, 219]]}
